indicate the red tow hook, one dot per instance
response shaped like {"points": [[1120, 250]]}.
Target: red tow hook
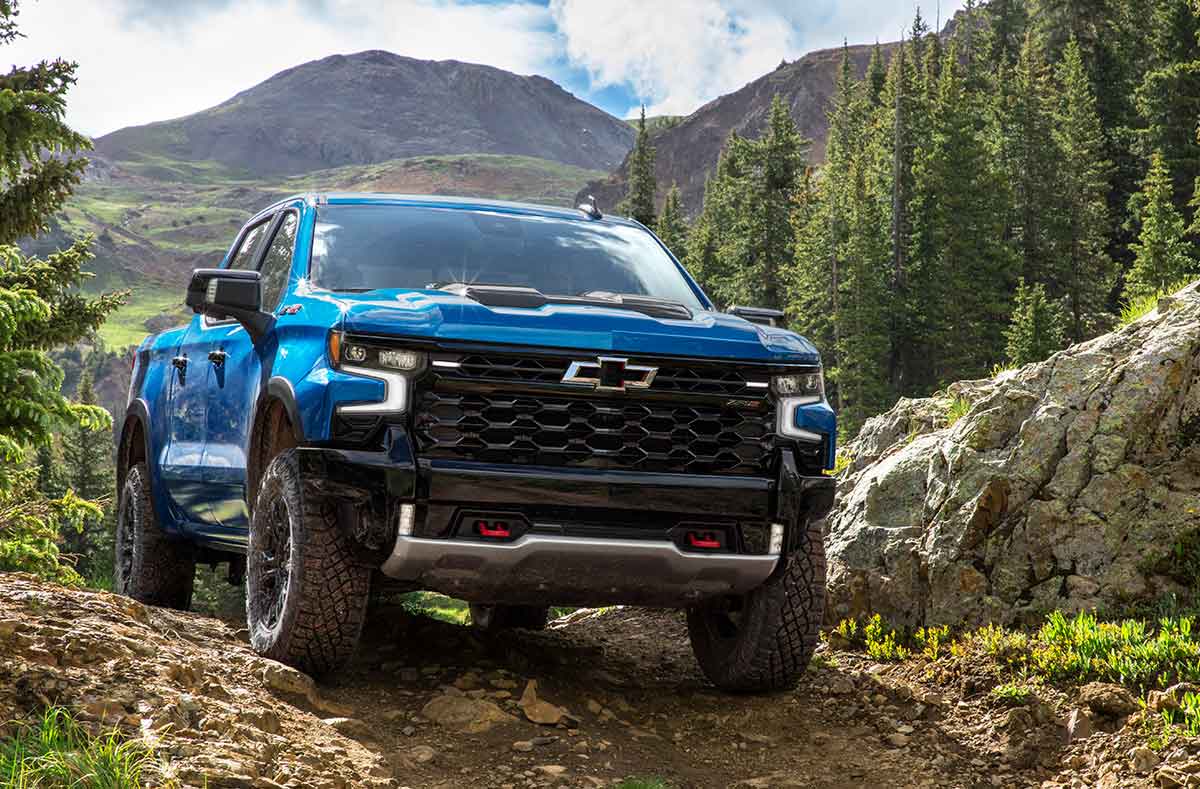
{"points": [[498, 529], [707, 540]]}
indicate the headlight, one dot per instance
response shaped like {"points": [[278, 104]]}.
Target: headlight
{"points": [[372, 359], [348, 351], [800, 388]]}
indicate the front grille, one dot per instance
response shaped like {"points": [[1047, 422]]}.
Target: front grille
{"points": [[550, 430], [699, 378]]}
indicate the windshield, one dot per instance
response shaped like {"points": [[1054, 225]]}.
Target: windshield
{"points": [[364, 247]]}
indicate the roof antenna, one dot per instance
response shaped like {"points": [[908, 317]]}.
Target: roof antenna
{"points": [[590, 208]]}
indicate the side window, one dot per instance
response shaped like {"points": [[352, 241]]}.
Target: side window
{"points": [[277, 264], [243, 258]]}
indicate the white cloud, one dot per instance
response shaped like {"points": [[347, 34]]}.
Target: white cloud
{"points": [[146, 60], [679, 54], [135, 69]]}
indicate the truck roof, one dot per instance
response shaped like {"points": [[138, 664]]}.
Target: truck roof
{"points": [[441, 201]]}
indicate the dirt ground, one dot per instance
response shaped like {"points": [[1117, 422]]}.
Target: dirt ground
{"points": [[430, 704]]}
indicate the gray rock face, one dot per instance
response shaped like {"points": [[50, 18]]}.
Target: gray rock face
{"points": [[1066, 485]]}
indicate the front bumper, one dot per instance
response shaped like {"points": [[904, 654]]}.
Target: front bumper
{"points": [[590, 537]]}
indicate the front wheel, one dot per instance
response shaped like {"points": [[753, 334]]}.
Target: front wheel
{"points": [[763, 640], [306, 596], [150, 566], [493, 618]]}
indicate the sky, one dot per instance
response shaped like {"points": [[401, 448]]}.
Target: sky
{"points": [[147, 60]]}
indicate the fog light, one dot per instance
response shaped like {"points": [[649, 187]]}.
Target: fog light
{"points": [[776, 546], [400, 360], [408, 516]]}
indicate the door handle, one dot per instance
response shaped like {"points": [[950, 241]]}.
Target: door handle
{"points": [[217, 357], [180, 364]]}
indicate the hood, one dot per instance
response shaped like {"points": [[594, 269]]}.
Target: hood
{"points": [[445, 316]]}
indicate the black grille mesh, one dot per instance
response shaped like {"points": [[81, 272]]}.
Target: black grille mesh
{"points": [[586, 433]]}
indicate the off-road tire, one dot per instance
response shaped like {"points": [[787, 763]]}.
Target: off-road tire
{"points": [[314, 620], [149, 566], [777, 628], [492, 618]]}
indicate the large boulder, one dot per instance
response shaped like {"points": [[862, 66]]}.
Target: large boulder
{"points": [[1069, 484]]}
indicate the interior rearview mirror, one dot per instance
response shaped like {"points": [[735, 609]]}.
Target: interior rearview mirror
{"points": [[229, 293], [760, 315]]}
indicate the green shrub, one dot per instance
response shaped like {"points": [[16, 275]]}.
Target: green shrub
{"points": [[958, 408], [934, 642], [1128, 652], [57, 753], [1011, 694], [882, 642], [1139, 306]]}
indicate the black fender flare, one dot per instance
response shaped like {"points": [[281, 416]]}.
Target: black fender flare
{"points": [[278, 389], [136, 413]]}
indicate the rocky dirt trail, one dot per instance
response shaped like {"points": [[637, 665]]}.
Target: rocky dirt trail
{"points": [[598, 698]]}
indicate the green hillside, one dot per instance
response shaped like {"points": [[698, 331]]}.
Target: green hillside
{"points": [[156, 219]]}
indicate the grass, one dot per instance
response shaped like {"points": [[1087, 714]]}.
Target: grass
{"points": [[1140, 306], [642, 783], [127, 326], [437, 606], [1066, 651], [57, 752], [958, 408], [1011, 694]]}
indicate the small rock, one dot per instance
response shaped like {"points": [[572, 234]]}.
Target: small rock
{"points": [[898, 740], [408, 731], [422, 754], [351, 727], [537, 710], [1142, 760], [841, 685], [1170, 778], [460, 713], [1079, 725], [1107, 699], [287, 679], [524, 746], [552, 770]]}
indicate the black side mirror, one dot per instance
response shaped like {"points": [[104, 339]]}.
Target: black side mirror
{"points": [[760, 315], [229, 293]]}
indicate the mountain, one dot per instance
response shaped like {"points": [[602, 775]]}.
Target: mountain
{"points": [[377, 106], [687, 150]]}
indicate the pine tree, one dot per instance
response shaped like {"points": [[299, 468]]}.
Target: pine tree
{"points": [[1162, 257], [40, 305], [86, 453], [1084, 273], [1004, 32], [672, 227], [1168, 98], [1037, 326], [962, 267], [744, 240], [1030, 162], [643, 184]]}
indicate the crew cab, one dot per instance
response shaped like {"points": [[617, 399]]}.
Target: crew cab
{"points": [[516, 405]]}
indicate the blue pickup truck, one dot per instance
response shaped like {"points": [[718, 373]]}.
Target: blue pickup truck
{"points": [[517, 405]]}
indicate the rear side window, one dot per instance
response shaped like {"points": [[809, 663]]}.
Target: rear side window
{"points": [[277, 264], [243, 258]]}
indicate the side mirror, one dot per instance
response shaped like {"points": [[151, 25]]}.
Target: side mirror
{"points": [[760, 315], [230, 293]]}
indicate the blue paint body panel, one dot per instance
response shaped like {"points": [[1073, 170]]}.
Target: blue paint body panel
{"points": [[199, 426]]}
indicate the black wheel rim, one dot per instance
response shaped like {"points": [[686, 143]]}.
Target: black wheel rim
{"points": [[125, 541], [273, 568]]}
